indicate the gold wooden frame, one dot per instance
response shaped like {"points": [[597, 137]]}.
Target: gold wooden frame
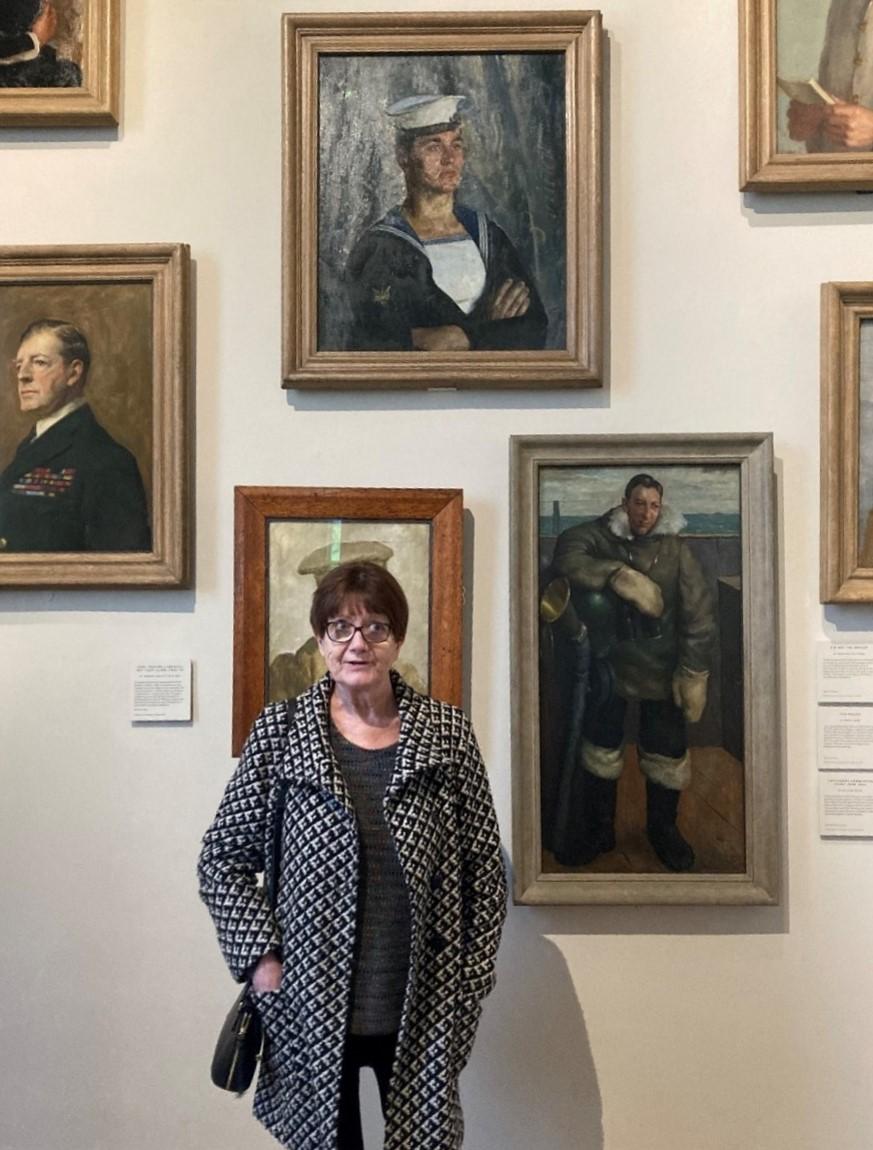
{"points": [[256, 507], [96, 103], [762, 167], [843, 308], [577, 35], [752, 455], [166, 269]]}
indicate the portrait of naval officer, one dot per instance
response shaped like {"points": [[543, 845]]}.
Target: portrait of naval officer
{"points": [[434, 274], [69, 486]]}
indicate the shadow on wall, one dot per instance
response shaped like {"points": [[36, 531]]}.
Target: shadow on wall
{"points": [[531, 1080]]}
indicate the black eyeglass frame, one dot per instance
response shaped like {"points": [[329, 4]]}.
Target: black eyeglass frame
{"points": [[370, 642]]}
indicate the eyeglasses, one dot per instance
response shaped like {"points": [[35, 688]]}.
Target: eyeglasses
{"points": [[342, 631]]}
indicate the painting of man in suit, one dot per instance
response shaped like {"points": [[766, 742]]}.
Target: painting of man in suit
{"points": [[70, 485]]}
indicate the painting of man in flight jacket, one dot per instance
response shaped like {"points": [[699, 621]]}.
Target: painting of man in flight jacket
{"points": [[641, 670]]}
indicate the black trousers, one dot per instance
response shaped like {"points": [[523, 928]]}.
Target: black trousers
{"points": [[661, 729], [375, 1050]]}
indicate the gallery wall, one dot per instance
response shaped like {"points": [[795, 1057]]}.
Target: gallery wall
{"points": [[612, 1028]]}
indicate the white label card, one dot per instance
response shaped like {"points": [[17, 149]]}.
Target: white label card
{"points": [[845, 672], [162, 692], [845, 738], [845, 804]]}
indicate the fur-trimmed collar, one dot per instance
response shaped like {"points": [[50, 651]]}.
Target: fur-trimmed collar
{"points": [[670, 522]]}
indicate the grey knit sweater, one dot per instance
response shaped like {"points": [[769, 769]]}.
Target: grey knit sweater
{"points": [[382, 950]]}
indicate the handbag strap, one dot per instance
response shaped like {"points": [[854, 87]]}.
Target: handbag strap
{"points": [[281, 793]]}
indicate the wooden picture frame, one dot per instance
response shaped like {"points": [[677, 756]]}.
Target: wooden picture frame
{"points": [[721, 620], [103, 501], [285, 537], [777, 44], [345, 328], [85, 43], [846, 456]]}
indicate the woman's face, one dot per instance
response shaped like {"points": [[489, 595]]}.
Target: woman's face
{"points": [[358, 665]]}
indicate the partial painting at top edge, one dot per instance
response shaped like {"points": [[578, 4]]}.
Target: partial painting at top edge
{"points": [[41, 43], [824, 71]]}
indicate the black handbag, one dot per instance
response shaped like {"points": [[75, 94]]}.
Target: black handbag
{"points": [[241, 1038], [239, 1046]]}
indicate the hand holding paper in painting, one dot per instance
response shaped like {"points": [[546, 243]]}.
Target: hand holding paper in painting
{"points": [[848, 126]]}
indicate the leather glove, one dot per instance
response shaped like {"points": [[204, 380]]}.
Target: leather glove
{"points": [[639, 590], [689, 692]]}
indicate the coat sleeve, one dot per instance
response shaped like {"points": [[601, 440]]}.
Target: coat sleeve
{"points": [[579, 556], [523, 333], [697, 626], [232, 854], [483, 880]]}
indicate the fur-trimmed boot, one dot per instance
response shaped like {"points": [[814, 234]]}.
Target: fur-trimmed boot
{"points": [[668, 844], [595, 833]]}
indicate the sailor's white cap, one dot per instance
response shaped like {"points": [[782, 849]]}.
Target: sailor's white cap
{"points": [[416, 113], [324, 559]]}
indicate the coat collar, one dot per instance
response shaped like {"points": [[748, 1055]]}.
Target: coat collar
{"points": [[52, 442], [310, 760], [396, 224]]}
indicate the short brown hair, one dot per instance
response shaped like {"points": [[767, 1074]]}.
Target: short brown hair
{"points": [[376, 588]]}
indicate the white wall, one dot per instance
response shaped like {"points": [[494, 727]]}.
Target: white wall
{"points": [[616, 1028]]}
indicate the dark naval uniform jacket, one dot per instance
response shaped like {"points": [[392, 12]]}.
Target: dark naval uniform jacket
{"points": [[74, 488], [392, 289]]}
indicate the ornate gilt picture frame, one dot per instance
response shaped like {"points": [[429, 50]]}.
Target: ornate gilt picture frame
{"points": [[287, 537], [362, 301], [646, 738]]}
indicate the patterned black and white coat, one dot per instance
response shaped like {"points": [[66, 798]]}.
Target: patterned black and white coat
{"points": [[440, 813]]}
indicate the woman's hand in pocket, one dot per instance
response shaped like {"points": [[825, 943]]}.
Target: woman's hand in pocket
{"points": [[267, 974]]}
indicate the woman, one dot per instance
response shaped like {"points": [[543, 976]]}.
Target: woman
{"points": [[391, 891]]}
